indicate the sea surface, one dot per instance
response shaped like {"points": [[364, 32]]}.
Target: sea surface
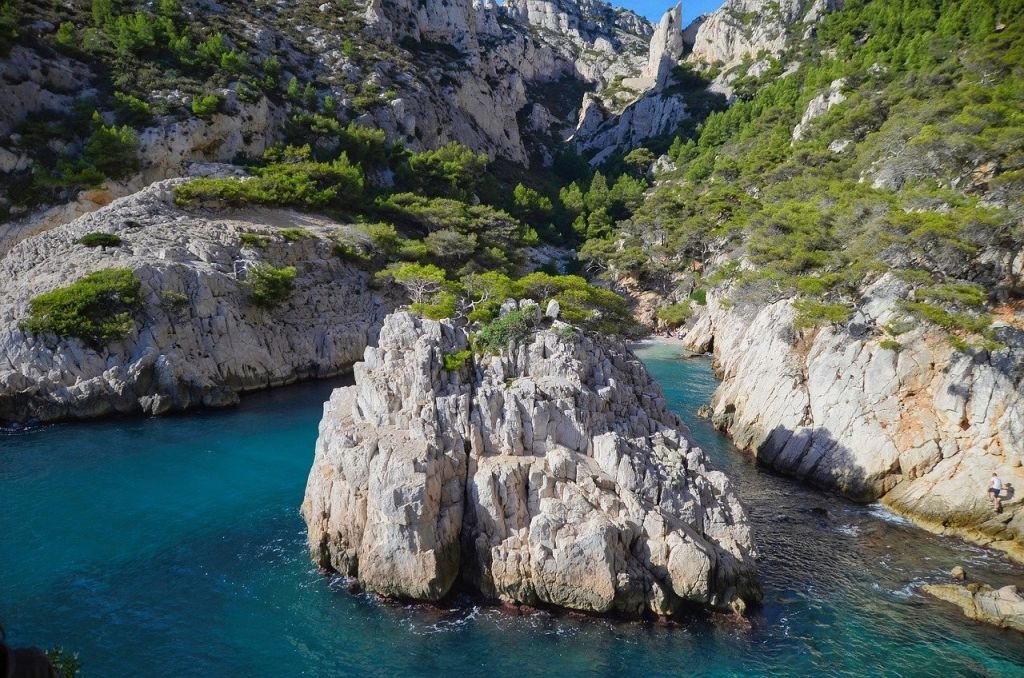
{"points": [[174, 547]]}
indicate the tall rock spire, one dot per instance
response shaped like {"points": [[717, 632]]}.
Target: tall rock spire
{"points": [[666, 47]]}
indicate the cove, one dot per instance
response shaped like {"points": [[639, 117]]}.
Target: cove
{"points": [[173, 547]]}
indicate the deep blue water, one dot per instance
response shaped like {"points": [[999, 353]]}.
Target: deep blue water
{"points": [[173, 547]]}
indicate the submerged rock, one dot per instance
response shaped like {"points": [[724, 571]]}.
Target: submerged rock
{"points": [[552, 474]]}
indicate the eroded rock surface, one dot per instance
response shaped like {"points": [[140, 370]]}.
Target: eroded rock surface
{"points": [[198, 339], [550, 475], [921, 427]]}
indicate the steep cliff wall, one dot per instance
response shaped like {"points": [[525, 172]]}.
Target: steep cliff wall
{"points": [[920, 427], [551, 474]]}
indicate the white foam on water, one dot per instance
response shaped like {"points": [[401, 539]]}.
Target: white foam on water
{"points": [[882, 513]]}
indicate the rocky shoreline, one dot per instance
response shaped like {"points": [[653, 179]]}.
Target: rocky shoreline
{"points": [[920, 429]]}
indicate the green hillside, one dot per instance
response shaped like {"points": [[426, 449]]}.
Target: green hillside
{"points": [[919, 171]]}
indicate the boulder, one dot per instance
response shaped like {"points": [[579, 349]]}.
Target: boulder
{"points": [[1003, 607], [550, 475]]}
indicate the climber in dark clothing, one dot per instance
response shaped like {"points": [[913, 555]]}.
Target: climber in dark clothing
{"points": [[23, 662]]}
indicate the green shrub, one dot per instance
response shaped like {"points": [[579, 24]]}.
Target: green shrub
{"points": [[350, 252], [420, 281], [270, 285], [456, 361], [812, 313], [591, 307], [890, 345], [174, 302], [295, 234], [450, 171], [131, 110], [256, 240], [65, 36], [676, 314], [963, 294], [205, 105], [300, 184], [438, 307], [510, 329], [66, 664], [100, 240], [113, 150], [963, 322], [700, 296], [96, 308], [8, 27]]}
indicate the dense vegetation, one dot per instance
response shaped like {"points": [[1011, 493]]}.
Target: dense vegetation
{"points": [[919, 172]]}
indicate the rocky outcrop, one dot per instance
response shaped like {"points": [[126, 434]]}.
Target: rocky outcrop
{"points": [[1003, 607], [603, 128], [666, 47], [916, 423], [603, 133], [198, 341], [552, 474], [819, 106], [742, 28]]}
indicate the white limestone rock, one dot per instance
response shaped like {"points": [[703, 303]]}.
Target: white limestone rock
{"points": [[666, 47], [202, 353], [819, 106], [921, 428], [1003, 607], [551, 475]]}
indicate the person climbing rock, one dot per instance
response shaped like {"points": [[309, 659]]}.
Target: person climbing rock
{"points": [[995, 486]]}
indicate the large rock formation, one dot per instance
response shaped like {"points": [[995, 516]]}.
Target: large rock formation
{"points": [[921, 428], [198, 340], [552, 474], [603, 128], [666, 47]]}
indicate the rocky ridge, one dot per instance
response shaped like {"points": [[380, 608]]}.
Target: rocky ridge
{"points": [[920, 428], [198, 341], [552, 474]]}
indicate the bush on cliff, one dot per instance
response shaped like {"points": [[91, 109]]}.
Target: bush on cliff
{"points": [[97, 308], [451, 171], [269, 285], [100, 240], [300, 184], [509, 329]]}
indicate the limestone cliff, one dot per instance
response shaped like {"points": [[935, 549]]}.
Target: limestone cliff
{"points": [[198, 341], [551, 474], [742, 28], [920, 427]]}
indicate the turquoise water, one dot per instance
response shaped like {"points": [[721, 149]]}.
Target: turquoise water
{"points": [[173, 547]]}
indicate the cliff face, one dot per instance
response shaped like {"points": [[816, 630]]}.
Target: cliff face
{"points": [[921, 428], [742, 28], [551, 474], [198, 339]]}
